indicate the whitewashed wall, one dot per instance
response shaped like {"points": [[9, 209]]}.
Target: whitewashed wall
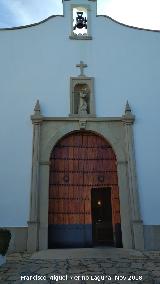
{"points": [[37, 63]]}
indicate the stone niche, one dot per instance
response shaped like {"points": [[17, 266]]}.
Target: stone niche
{"points": [[82, 97]]}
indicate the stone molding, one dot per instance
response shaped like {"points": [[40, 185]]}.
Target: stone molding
{"points": [[78, 37]]}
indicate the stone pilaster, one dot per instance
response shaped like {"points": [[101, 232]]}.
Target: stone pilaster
{"points": [[126, 226], [33, 223], [137, 223]]}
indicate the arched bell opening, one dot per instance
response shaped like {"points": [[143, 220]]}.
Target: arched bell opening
{"points": [[84, 206]]}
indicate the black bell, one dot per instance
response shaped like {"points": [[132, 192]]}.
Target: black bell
{"points": [[81, 22]]}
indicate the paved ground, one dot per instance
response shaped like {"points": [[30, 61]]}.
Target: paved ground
{"points": [[82, 266]]}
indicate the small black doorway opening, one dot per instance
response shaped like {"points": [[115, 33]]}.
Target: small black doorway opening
{"points": [[102, 228]]}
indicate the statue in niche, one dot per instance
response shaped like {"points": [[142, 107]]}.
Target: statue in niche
{"points": [[83, 105], [81, 99]]}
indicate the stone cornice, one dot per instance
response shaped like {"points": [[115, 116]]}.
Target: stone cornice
{"points": [[96, 119]]}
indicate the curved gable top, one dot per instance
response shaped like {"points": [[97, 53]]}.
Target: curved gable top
{"points": [[55, 16]]}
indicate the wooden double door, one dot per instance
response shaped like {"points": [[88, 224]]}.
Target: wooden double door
{"points": [[84, 206]]}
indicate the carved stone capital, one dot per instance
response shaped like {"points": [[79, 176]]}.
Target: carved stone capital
{"points": [[128, 119], [37, 119], [32, 223], [138, 222]]}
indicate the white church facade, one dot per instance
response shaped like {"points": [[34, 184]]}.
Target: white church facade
{"points": [[80, 133]]}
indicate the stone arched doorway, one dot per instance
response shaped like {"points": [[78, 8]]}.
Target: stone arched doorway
{"points": [[84, 206], [47, 131]]}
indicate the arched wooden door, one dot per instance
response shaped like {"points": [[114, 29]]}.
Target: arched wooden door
{"points": [[81, 164]]}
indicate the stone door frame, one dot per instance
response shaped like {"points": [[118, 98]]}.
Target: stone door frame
{"points": [[118, 131]]}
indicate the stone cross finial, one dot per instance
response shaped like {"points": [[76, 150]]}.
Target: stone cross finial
{"points": [[81, 66]]}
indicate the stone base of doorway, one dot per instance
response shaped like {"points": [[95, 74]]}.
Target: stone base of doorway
{"points": [[152, 237], [76, 253], [18, 242], [2, 259]]}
